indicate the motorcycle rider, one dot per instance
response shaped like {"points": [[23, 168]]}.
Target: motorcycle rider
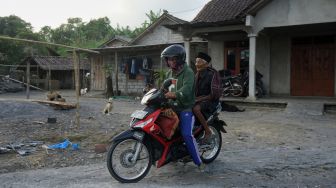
{"points": [[182, 96], [207, 90]]}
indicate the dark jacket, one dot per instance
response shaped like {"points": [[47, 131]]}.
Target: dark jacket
{"points": [[208, 82], [184, 89]]}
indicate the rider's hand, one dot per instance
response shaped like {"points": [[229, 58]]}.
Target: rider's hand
{"points": [[170, 95]]}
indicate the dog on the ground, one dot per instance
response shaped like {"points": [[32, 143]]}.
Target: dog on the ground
{"points": [[83, 91], [55, 96], [230, 108], [108, 107]]}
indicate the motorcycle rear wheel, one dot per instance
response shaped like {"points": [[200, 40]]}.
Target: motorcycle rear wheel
{"points": [[211, 153], [119, 160], [259, 92]]}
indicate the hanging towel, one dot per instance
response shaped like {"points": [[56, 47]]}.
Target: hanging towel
{"points": [[133, 71]]}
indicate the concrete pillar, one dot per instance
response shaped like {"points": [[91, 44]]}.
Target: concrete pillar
{"points": [[187, 49], [252, 70]]}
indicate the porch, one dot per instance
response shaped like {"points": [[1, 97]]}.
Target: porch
{"points": [[292, 105]]}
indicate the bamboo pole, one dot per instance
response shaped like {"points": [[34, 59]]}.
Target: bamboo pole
{"points": [[49, 78], [38, 76], [22, 82], [28, 79], [76, 70], [48, 43], [4, 65], [116, 72]]}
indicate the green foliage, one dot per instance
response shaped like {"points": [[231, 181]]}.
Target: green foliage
{"points": [[13, 26], [13, 52], [108, 68], [159, 76], [152, 16], [74, 33]]}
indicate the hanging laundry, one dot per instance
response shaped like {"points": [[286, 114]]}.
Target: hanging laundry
{"points": [[145, 63], [133, 67]]}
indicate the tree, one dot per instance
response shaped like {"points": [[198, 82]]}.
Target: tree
{"points": [[13, 26], [46, 33], [98, 29], [152, 16]]}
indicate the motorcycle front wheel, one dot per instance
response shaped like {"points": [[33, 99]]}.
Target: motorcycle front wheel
{"points": [[209, 151], [129, 160], [237, 90]]}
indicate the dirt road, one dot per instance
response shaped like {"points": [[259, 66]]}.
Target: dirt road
{"points": [[263, 148]]}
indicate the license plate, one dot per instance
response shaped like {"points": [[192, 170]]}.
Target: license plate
{"points": [[139, 114]]}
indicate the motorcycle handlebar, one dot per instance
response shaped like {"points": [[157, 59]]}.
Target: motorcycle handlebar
{"points": [[166, 84]]}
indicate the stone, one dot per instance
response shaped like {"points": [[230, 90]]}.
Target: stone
{"points": [[100, 148]]}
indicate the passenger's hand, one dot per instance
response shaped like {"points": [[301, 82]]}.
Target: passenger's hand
{"points": [[170, 95]]}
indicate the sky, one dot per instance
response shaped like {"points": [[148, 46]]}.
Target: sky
{"points": [[124, 12]]}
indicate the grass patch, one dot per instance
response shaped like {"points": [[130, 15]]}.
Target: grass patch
{"points": [[50, 138], [77, 137]]}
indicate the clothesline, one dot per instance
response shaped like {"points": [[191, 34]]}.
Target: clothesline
{"points": [[139, 56]]}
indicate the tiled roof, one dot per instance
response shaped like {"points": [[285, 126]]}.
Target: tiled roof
{"points": [[218, 11], [121, 38], [57, 63]]}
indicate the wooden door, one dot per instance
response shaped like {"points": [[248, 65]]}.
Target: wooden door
{"points": [[98, 73], [312, 66], [323, 58], [301, 71]]}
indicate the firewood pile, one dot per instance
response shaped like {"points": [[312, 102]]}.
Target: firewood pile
{"points": [[7, 85]]}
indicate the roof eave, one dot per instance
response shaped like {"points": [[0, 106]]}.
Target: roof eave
{"points": [[150, 27], [204, 24], [256, 7]]}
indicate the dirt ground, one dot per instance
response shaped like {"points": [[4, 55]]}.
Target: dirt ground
{"points": [[23, 122], [264, 147]]}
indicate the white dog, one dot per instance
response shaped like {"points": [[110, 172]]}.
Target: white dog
{"points": [[83, 91], [108, 107]]}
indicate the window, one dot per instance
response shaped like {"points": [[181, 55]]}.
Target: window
{"points": [[236, 56]]}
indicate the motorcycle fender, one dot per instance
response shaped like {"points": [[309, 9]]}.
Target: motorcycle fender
{"points": [[219, 124], [138, 135]]}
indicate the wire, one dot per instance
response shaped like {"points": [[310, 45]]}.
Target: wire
{"points": [[188, 10]]}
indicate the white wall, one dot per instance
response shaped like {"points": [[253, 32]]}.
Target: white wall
{"points": [[263, 59], [280, 65], [295, 12], [160, 35], [216, 52]]}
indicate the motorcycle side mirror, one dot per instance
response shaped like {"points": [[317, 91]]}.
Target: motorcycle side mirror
{"points": [[166, 84]]}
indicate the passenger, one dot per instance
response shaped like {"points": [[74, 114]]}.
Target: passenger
{"points": [[207, 90]]}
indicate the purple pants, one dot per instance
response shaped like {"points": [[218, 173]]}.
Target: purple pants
{"points": [[187, 122]]}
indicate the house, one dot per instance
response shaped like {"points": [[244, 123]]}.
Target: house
{"points": [[291, 42], [54, 72], [116, 41], [116, 59]]}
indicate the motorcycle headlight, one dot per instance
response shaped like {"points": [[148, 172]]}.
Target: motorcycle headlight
{"points": [[142, 124], [133, 121]]}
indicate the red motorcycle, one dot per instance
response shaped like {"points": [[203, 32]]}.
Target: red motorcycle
{"points": [[134, 151]]}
